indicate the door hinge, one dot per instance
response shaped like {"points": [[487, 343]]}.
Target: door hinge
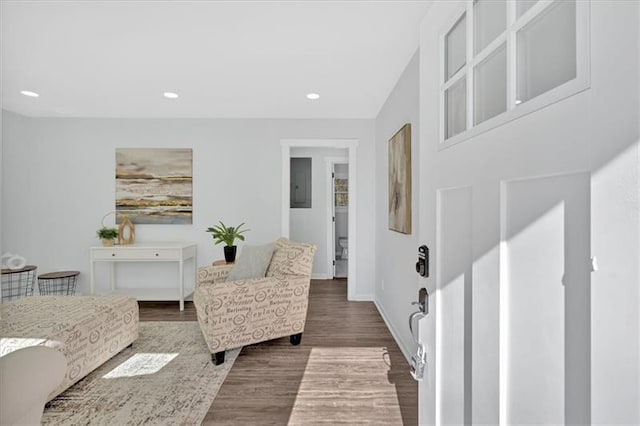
{"points": [[333, 219], [333, 175], [334, 263]]}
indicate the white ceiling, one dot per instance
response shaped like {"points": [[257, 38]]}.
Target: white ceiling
{"points": [[224, 59]]}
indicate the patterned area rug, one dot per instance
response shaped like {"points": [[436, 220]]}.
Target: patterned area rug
{"points": [[166, 378]]}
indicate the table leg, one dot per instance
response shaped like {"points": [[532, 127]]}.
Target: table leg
{"points": [[195, 268], [181, 272], [112, 276], [92, 276]]}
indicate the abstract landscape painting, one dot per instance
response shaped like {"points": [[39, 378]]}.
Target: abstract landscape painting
{"points": [[154, 185], [400, 180]]}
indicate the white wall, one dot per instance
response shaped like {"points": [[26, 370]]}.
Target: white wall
{"points": [[16, 167], [596, 132], [1, 168], [59, 182], [396, 280], [310, 225]]}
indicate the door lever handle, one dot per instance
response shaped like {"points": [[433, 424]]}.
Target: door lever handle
{"points": [[419, 360], [412, 318]]}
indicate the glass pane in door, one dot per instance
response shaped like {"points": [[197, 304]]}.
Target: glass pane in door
{"points": [[456, 47], [489, 21], [490, 86], [546, 51]]}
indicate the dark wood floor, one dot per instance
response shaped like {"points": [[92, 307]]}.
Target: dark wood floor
{"points": [[348, 369]]}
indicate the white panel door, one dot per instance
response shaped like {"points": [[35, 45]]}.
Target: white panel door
{"points": [[545, 300], [548, 190]]}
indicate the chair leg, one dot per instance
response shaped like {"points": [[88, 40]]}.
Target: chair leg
{"points": [[296, 339], [217, 358]]}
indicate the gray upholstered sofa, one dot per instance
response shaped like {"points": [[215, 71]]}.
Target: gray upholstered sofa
{"points": [[88, 330], [233, 314]]}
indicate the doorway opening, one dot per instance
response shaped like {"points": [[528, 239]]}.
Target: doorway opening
{"points": [[330, 244], [338, 216]]}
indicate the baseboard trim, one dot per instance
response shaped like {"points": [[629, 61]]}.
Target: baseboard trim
{"points": [[321, 277], [396, 336], [362, 298]]}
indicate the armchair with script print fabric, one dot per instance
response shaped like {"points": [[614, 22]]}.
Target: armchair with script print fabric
{"points": [[233, 314]]}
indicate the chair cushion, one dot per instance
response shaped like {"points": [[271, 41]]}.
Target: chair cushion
{"points": [[291, 258], [252, 263]]}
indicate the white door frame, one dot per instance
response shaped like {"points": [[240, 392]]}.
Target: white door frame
{"points": [[331, 211], [351, 145]]}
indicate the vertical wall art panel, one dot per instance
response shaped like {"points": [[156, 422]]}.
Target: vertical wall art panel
{"points": [[400, 180], [154, 185]]}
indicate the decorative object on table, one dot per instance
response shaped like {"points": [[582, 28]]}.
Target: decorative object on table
{"points": [[166, 378], [58, 283], [13, 261], [18, 283], [4, 259], [107, 235], [228, 234], [126, 232], [154, 185], [400, 180]]}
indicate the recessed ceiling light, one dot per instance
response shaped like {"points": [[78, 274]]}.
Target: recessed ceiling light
{"points": [[29, 93], [170, 95], [313, 96]]}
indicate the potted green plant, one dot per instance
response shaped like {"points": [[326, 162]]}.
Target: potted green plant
{"points": [[107, 235], [228, 234]]}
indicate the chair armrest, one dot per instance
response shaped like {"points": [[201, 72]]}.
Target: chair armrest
{"points": [[236, 313], [233, 292], [208, 275]]}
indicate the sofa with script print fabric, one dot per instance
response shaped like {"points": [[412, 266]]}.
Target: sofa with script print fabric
{"points": [[87, 330]]}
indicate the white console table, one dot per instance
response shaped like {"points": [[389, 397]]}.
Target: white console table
{"points": [[152, 252]]}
